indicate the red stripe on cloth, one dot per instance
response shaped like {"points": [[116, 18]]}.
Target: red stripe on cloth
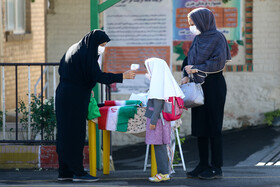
{"points": [[102, 120], [109, 103]]}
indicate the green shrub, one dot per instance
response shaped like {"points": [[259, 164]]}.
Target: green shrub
{"points": [[39, 116], [270, 116]]}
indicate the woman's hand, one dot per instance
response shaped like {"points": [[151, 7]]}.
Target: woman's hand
{"points": [[189, 69], [185, 80], [152, 127], [130, 74]]}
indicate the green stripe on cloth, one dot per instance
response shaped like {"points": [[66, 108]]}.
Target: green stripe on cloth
{"points": [[125, 113], [133, 102]]}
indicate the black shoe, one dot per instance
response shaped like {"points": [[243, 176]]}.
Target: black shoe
{"points": [[211, 173], [194, 173], [64, 178], [85, 178]]}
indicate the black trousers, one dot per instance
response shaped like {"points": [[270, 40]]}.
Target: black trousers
{"points": [[68, 170], [216, 147]]}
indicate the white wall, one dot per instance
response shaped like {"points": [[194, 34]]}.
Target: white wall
{"points": [[250, 94]]}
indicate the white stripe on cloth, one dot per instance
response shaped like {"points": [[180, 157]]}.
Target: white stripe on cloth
{"points": [[112, 118], [120, 102]]}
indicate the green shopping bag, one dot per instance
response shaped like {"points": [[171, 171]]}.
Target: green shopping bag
{"points": [[93, 109]]}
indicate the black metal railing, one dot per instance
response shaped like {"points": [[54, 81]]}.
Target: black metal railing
{"points": [[42, 65], [16, 65]]}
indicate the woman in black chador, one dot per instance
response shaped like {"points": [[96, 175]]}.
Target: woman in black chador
{"points": [[79, 72]]}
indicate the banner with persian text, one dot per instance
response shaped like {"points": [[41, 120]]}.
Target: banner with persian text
{"points": [[227, 14], [138, 29]]}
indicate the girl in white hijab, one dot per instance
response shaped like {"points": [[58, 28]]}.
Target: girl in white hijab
{"points": [[162, 86]]}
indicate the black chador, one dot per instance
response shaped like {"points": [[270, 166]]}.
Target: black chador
{"points": [[79, 72]]}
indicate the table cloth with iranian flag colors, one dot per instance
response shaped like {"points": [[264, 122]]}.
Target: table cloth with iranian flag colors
{"points": [[115, 114]]}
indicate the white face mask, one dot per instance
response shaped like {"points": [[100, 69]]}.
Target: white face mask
{"points": [[194, 30], [148, 76], [101, 49]]}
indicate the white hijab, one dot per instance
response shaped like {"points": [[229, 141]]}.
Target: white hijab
{"points": [[162, 85]]}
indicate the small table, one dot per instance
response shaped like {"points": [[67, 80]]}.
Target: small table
{"points": [[136, 126]]}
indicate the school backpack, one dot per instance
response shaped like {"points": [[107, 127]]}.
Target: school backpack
{"points": [[173, 108]]}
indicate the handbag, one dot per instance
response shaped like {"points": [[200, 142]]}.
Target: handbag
{"points": [[193, 94], [173, 108]]}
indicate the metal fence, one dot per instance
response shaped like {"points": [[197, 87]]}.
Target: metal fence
{"points": [[45, 85]]}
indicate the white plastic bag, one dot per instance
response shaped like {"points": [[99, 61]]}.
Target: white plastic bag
{"points": [[143, 97]]}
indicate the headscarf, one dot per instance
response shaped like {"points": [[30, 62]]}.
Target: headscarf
{"points": [[80, 62], [162, 85], [209, 51]]}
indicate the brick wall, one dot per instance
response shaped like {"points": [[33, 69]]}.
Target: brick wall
{"points": [[25, 48], [67, 22]]}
